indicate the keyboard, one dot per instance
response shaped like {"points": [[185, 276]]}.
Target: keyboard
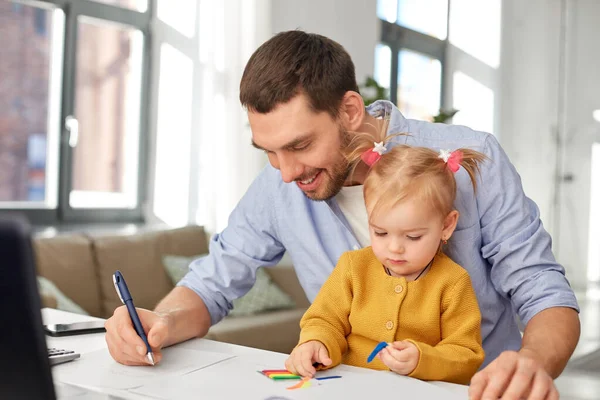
{"points": [[59, 356]]}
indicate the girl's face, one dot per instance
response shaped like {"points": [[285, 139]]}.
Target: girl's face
{"points": [[407, 237]]}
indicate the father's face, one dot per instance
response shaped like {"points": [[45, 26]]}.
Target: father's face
{"points": [[304, 145]]}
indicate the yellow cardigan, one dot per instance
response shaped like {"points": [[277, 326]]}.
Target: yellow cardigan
{"points": [[360, 306]]}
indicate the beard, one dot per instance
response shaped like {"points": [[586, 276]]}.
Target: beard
{"points": [[334, 178]]}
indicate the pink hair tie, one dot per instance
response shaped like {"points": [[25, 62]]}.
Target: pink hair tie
{"points": [[452, 159], [373, 155]]}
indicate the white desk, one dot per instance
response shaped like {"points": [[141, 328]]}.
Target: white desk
{"points": [[85, 344]]}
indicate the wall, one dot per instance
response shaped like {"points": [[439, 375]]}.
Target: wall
{"points": [[353, 24], [529, 98], [581, 98], [549, 92]]}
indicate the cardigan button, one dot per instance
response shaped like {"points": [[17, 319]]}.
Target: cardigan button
{"points": [[389, 325], [398, 289]]}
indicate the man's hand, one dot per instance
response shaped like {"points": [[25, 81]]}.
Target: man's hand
{"points": [[124, 344], [400, 357], [303, 357], [513, 376]]}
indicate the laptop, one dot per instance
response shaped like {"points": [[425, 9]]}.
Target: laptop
{"points": [[25, 359]]}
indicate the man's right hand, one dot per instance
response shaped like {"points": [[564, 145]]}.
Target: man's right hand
{"points": [[124, 344], [303, 357]]}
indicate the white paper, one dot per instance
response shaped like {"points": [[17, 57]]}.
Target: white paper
{"points": [[98, 370], [238, 378]]}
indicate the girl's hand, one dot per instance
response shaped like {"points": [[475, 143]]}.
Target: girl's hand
{"points": [[301, 361], [400, 357]]}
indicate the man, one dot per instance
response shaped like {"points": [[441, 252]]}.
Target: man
{"points": [[303, 105]]}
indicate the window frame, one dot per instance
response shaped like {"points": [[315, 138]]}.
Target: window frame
{"points": [[64, 213], [399, 37]]}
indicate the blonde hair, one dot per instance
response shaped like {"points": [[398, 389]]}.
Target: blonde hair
{"points": [[406, 172]]}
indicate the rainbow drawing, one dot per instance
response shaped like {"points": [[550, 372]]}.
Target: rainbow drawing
{"points": [[279, 374], [303, 384]]}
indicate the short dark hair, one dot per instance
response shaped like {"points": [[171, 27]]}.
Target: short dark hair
{"points": [[296, 62]]}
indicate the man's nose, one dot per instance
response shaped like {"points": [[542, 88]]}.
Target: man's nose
{"points": [[290, 168]]}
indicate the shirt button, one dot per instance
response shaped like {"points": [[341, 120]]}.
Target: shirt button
{"points": [[398, 289], [389, 325], [355, 247]]}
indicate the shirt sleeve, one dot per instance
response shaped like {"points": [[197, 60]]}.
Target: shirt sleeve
{"points": [[459, 354], [247, 243], [515, 242], [327, 319]]}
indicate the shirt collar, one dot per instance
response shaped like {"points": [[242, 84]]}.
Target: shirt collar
{"points": [[398, 123]]}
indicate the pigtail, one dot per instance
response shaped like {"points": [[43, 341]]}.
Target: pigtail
{"points": [[360, 142], [471, 161]]}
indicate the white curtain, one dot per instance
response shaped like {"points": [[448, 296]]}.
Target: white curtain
{"points": [[202, 161]]}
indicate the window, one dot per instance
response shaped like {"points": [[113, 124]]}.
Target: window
{"points": [[72, 109], [415, 32], [29, 102], [107, 103], [138, 5], [178, 14], [476, 102], [478, 37], [383, 65], [173, 136], [419, 85], [441, 55], [426, 16]]}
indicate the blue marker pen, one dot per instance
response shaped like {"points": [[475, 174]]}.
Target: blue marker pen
{"points": [[125, 296]]}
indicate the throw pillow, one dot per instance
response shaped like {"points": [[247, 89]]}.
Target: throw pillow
{"points": [[265, 295], [63, 302]]}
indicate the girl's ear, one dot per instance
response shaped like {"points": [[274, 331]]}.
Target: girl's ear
{"points": [[450, 224], [352, 111]]}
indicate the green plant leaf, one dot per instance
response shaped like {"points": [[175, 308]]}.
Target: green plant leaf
{"points": [[444, 115], [373, 91]]}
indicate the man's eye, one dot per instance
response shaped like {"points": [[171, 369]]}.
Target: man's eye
{"points": [[380, 233], [414, 238], [302, 147]]}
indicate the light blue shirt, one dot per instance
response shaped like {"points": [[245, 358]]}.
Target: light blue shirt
{"points": [[499, 239]]}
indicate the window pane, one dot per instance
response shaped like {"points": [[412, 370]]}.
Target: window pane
{"points": [[419, 85], [107, 106], [387, 10], [179, 15], [137, 5], [171, 183], [475, 28], [474, 102], [426, 16], [383, 65], [30, 75]]}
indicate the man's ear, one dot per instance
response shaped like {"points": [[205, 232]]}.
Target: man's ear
{"points": [[352, 111], [450, 224]]}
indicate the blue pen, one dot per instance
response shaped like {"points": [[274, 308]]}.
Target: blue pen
{"points": [[125, 296]]}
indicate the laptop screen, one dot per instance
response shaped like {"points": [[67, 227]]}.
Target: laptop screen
{"points": [[24, 366]]}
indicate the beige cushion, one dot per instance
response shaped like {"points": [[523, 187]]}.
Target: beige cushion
{"points": [[275, 331], [285, 277], [68, 262], [264, 295], [139, 258]]}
